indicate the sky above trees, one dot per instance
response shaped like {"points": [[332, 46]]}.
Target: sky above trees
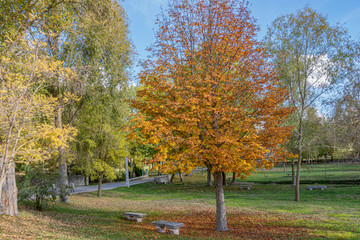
{"points": [[142, 15]]}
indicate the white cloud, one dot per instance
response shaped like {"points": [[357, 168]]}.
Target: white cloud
{"points": [[319, 70]]}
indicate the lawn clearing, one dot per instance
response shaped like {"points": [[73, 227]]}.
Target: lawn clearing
{"points": [[267, 211]]}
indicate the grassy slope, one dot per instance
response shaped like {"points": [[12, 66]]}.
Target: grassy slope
{"points": [[265, 212]]}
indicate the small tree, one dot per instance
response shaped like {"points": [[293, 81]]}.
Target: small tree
{"points": [[209, 97]]}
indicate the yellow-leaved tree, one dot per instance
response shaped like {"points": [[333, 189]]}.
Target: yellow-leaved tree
{"points": [[27, 132]]}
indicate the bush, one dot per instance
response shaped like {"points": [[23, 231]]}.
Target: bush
{"points": [[37, 186]]}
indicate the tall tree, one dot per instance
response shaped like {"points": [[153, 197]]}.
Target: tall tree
{"points": [[26, 72], [311, 57], [209, 96], [101, 53], [94, 43]]}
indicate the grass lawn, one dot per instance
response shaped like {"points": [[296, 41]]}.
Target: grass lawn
{"points": [[267, 211]]}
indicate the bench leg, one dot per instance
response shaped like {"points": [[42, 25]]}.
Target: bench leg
{"points": [[161, 229], [128, 217], [138, 219], [174, 231]]}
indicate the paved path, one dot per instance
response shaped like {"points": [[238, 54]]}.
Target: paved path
{"points": [[109, 186]]}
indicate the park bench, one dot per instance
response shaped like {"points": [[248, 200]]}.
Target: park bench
{"points": [[173, 226], [288, 174], [315, 187], [162, 179], [242, 186], [134, 216]]}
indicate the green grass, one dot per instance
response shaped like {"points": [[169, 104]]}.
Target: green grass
{"points": [[267, 211]]}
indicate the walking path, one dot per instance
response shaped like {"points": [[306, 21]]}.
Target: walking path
{"points": [[109, 186]]}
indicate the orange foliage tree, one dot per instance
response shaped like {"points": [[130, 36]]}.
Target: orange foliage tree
{"points": [[208, 95]]}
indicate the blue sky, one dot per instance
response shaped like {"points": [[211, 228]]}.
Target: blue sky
{"points": [[142, 15]]}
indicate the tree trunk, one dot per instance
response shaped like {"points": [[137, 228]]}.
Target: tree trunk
{"points": [[209, 183], [181, 177], [223, 178], [86, 180], [293, 172], [233, 178], [221, 222], [99, 185], [297, 186], [8, 204], [63, 178], [172, 178]]}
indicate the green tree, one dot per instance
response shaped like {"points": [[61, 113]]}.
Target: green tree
{"points": [[311, 57], [91, 38], [101, 140]]}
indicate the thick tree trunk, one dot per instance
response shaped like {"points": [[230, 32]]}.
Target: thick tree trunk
{"points": [[99, 185], [63, 177], [209, 182], [233, 178], [221, 222], [8, 203]]}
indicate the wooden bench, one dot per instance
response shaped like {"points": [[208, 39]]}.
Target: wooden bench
{"points": [[242, 186], [173, 226], [134, 216], [315, 187]]}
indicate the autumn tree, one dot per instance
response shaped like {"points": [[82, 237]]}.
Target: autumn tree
{"points": [[312, 57], [209, 96]]}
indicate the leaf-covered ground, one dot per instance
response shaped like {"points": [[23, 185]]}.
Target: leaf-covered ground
{"points": [[265, 212]]}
